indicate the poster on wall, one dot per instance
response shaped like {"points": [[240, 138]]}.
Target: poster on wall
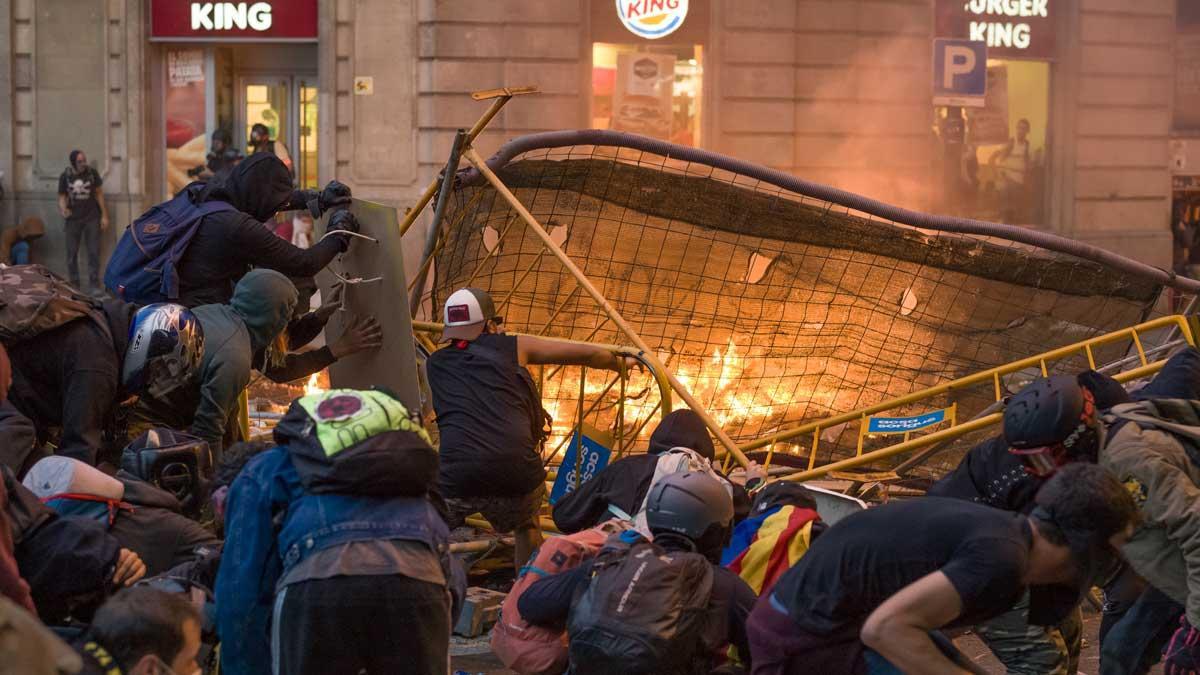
{"points": [[184, 107], [642, 97], [989, 125]]}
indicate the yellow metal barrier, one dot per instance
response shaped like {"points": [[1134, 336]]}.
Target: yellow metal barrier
{"points": [[1087, 348]]}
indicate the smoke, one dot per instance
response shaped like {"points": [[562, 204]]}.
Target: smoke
{"points": [[867, 126]]}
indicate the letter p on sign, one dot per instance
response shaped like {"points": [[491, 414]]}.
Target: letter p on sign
{"points": [[959, 72], [960, 61]]}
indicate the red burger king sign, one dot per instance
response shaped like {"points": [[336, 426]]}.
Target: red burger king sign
{"points": [[652, 19]]}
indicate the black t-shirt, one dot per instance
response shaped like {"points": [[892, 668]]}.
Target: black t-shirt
{"points": [[80, 189], [863, 560], [485, 412]]}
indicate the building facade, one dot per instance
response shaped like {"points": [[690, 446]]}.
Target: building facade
{"points": [[1084, 130]]}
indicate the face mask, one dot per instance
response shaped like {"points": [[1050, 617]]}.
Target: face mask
{"points": [[1081, 443]]}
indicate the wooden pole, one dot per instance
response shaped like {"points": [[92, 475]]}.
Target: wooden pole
{"points": [[411, 216], [647, 353]]}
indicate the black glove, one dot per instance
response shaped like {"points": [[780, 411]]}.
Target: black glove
{"points": [[301, 199], [342, 221], [334, 195]]}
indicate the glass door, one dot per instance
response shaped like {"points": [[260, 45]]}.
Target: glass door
{"points": [[267, 101], [287, 106], [306, 146]]}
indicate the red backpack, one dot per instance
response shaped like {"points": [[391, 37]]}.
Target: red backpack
{"points": [[533, 650]]}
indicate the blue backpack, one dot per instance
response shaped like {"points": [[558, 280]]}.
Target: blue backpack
{"points": [[142, 268]]}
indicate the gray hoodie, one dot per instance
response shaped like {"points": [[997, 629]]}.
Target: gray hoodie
{"points": [[259, 311]]}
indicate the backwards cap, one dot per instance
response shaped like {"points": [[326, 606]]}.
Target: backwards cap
{"points": [[466, 312]]}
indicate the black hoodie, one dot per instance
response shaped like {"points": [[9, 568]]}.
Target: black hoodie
{"points": [[228, 244], [70, 378], [624, 483]]}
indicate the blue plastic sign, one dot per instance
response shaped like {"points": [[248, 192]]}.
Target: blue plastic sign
{"points": [[959, 72], [595, 457], [901, 425]]}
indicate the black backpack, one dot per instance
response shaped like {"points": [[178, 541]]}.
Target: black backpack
{"points": [[644, 611]]}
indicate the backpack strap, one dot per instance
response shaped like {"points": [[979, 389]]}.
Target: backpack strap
{"points": [[619, 512], [114, 506], [170, 275]]}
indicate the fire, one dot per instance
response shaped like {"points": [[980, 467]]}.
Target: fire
{"points": [[734, 387], [313, 386]]}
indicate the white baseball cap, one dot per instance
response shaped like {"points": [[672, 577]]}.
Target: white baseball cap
{"points": [[465, 313]]}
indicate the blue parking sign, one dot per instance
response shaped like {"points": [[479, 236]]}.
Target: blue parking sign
{"points": [[959, 72]]}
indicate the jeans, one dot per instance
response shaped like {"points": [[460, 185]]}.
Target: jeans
{"points": [[1134, 642], [878, 665], [89, 233], [20, 253]]}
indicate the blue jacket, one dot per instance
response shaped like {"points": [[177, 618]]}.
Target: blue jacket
{"points": [[273, 523]]}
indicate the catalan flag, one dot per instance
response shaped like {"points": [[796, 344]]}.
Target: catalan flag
{"points": [[765, 546]]}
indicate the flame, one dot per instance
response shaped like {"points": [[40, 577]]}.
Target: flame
{"points": [[313, 386], [734, 386]]}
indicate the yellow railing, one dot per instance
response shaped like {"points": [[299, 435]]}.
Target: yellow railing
{"points": [[1087, 348]]}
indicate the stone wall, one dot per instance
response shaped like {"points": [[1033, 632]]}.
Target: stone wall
{"points": [[1121, 107], [836, 91], [77, 82]]}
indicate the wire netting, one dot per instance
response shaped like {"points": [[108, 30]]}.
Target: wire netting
{"points": [[773, 308]]}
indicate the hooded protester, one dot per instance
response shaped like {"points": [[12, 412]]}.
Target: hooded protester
{"points": [[333, 533], [15, 241], [73, 377], [228, 243], [239, 337], [625, 483]]}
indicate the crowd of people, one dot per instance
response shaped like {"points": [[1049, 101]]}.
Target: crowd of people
{"points": [[142, 533]]}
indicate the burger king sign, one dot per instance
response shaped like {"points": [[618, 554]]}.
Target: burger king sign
{"points": [[652, 19]]}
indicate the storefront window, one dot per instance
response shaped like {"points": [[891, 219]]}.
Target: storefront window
{"points": [[648, 89], [994, 160], [185, 106], [267, 104], [306, 168]]}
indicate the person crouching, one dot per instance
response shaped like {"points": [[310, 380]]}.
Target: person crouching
{"points": [[334, 533]]}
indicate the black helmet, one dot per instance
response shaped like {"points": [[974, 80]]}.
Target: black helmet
{"points": [[689, 503], [1050, 422]]}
